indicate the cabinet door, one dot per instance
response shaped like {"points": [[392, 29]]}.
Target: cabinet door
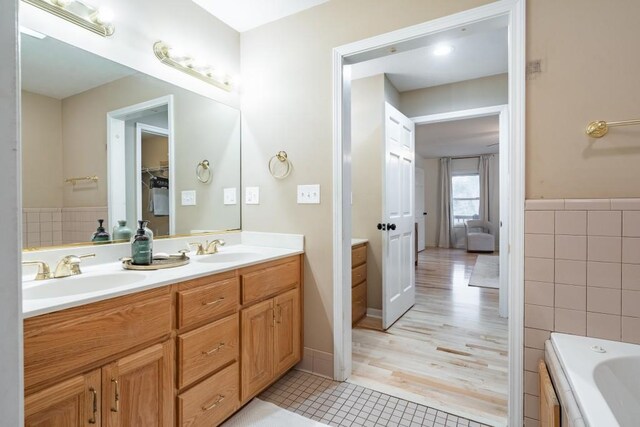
{"points": [[72, 403], [138, 389], [257, 348], [287, 330]]}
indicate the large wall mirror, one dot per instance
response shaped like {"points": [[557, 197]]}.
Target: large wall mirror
{"points": [[103, 141]]}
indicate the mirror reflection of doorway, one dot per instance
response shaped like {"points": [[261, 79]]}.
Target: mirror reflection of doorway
{"points": [[153, 143]]}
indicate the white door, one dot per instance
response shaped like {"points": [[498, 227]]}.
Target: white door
{"points": [[420, 213], [398, 200]]}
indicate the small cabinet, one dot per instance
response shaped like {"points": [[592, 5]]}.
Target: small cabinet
{"points": [[71, 403], [257, 348], [358, 282], [286, 335]]}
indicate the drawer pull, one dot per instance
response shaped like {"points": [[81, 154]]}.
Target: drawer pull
{"points": [[116, 395], [214, 404], [210, 352], [219, 300], [92, 420]]}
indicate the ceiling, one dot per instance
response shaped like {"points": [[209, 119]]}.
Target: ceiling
{"points": [[243, 15], [455, 138], [55, 69], [476, 54]]}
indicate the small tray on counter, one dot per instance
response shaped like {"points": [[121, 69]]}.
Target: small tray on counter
{"points": [[158, 264]]}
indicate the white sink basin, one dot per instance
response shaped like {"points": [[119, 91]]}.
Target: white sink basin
{"points": [[229, 257], [80, 285]]}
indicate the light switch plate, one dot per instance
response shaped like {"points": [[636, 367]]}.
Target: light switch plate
{"points": [[230, 196], [189, 198], [309, 194], [252, 195]]}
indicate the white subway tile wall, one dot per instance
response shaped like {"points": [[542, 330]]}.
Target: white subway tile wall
{"points": [[58, 226], [582, 276]]}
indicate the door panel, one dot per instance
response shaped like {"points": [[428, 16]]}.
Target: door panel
{"points": [[138, 389], [399, 211], [287, 331], [72, 403], [257, 348]]}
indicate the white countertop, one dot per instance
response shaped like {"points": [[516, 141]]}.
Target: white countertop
{"points": [[256, 253], [356, 241]]}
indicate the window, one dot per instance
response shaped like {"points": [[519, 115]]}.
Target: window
{"points": [[465, 195]]}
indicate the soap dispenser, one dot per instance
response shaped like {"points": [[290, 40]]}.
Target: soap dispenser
{"points": [[100, 235], [149, 234], [141, 247]]}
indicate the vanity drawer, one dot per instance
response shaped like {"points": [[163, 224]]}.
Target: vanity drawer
{"points": [[358, 274], [212, 401], [69, 340], [206, 349], [358, 302], [266, 282], [358, 255], [207, 301]]}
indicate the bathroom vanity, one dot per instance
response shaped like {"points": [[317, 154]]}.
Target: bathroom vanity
{"points": [[358, 280], [176, 352]]}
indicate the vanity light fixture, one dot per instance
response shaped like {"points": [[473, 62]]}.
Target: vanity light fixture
{"points": [[443, 50], [79, 13], [189, 65]]}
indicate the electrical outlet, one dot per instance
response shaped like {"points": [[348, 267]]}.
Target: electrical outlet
{"points": [[189, 198], [230, 196], [309, 194], [252, 195]]}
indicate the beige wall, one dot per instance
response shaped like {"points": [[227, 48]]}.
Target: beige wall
{"points": [[286, 105], [476, 93], [589, 72], [41, 151]]}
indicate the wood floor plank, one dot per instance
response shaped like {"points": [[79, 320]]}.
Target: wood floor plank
{"points": [[449, 351]]}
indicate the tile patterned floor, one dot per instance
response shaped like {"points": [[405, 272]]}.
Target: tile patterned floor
{"points": [[344, 404]]}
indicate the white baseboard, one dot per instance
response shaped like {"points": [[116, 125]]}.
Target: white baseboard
{"points": [[374, 312], [316, 362]]}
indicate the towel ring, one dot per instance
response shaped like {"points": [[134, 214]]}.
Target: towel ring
{"points": [[280, 166], [203, 171]]}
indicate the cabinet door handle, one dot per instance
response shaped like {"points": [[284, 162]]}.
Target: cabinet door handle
{"points": [[213, 302], [210, 352], [279, 314], [92, 420], [214, 404], [116, 395]]}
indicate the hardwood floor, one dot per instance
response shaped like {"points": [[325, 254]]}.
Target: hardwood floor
{"points": [[449, 351]]}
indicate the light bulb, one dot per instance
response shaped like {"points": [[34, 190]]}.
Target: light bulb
{"points": [[62, 3], [103, 16]]}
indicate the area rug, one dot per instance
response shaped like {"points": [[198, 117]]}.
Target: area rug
{"points": [[259, 413], [486, 272]]}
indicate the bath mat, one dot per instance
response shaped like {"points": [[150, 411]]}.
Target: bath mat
{"points": [[486, 272], [259, 413]]}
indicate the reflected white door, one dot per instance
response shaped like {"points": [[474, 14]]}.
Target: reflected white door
{"points": [[398, 199], [421, 218]]}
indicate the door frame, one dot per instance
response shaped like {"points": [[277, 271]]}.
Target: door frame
{"points": [[153, 130], [502, 111], [514, 11], [116, 165]]}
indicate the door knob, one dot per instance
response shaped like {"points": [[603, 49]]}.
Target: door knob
{"points": [[391, 226], [382, 227]]}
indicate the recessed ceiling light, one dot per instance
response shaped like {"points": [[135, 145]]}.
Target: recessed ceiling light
{"points": [[32, 33], [442, 50]]}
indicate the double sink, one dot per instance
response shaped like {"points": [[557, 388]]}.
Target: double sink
{"points": [[111, 276]]}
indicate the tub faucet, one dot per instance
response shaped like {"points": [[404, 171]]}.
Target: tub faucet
{"points": [[70, 265]]}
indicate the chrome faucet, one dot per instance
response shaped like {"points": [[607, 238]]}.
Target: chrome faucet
{"points": [[70, 265], [44, 272], [207, 248]]}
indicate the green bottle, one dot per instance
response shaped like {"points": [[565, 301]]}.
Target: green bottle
{"points": [[141, 247], [121, 231]]}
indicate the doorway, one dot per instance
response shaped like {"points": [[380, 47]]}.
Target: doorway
{"points": [[511, 13]]}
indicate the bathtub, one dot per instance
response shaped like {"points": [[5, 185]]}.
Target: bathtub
{"points": [[604, 378]]}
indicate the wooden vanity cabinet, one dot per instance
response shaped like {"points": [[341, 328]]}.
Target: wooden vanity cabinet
{"points": [[187, 354], [271, 330], [358, 282]]}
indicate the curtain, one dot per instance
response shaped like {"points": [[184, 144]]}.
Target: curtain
{"points": [[444, 236], [484, 170]]}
